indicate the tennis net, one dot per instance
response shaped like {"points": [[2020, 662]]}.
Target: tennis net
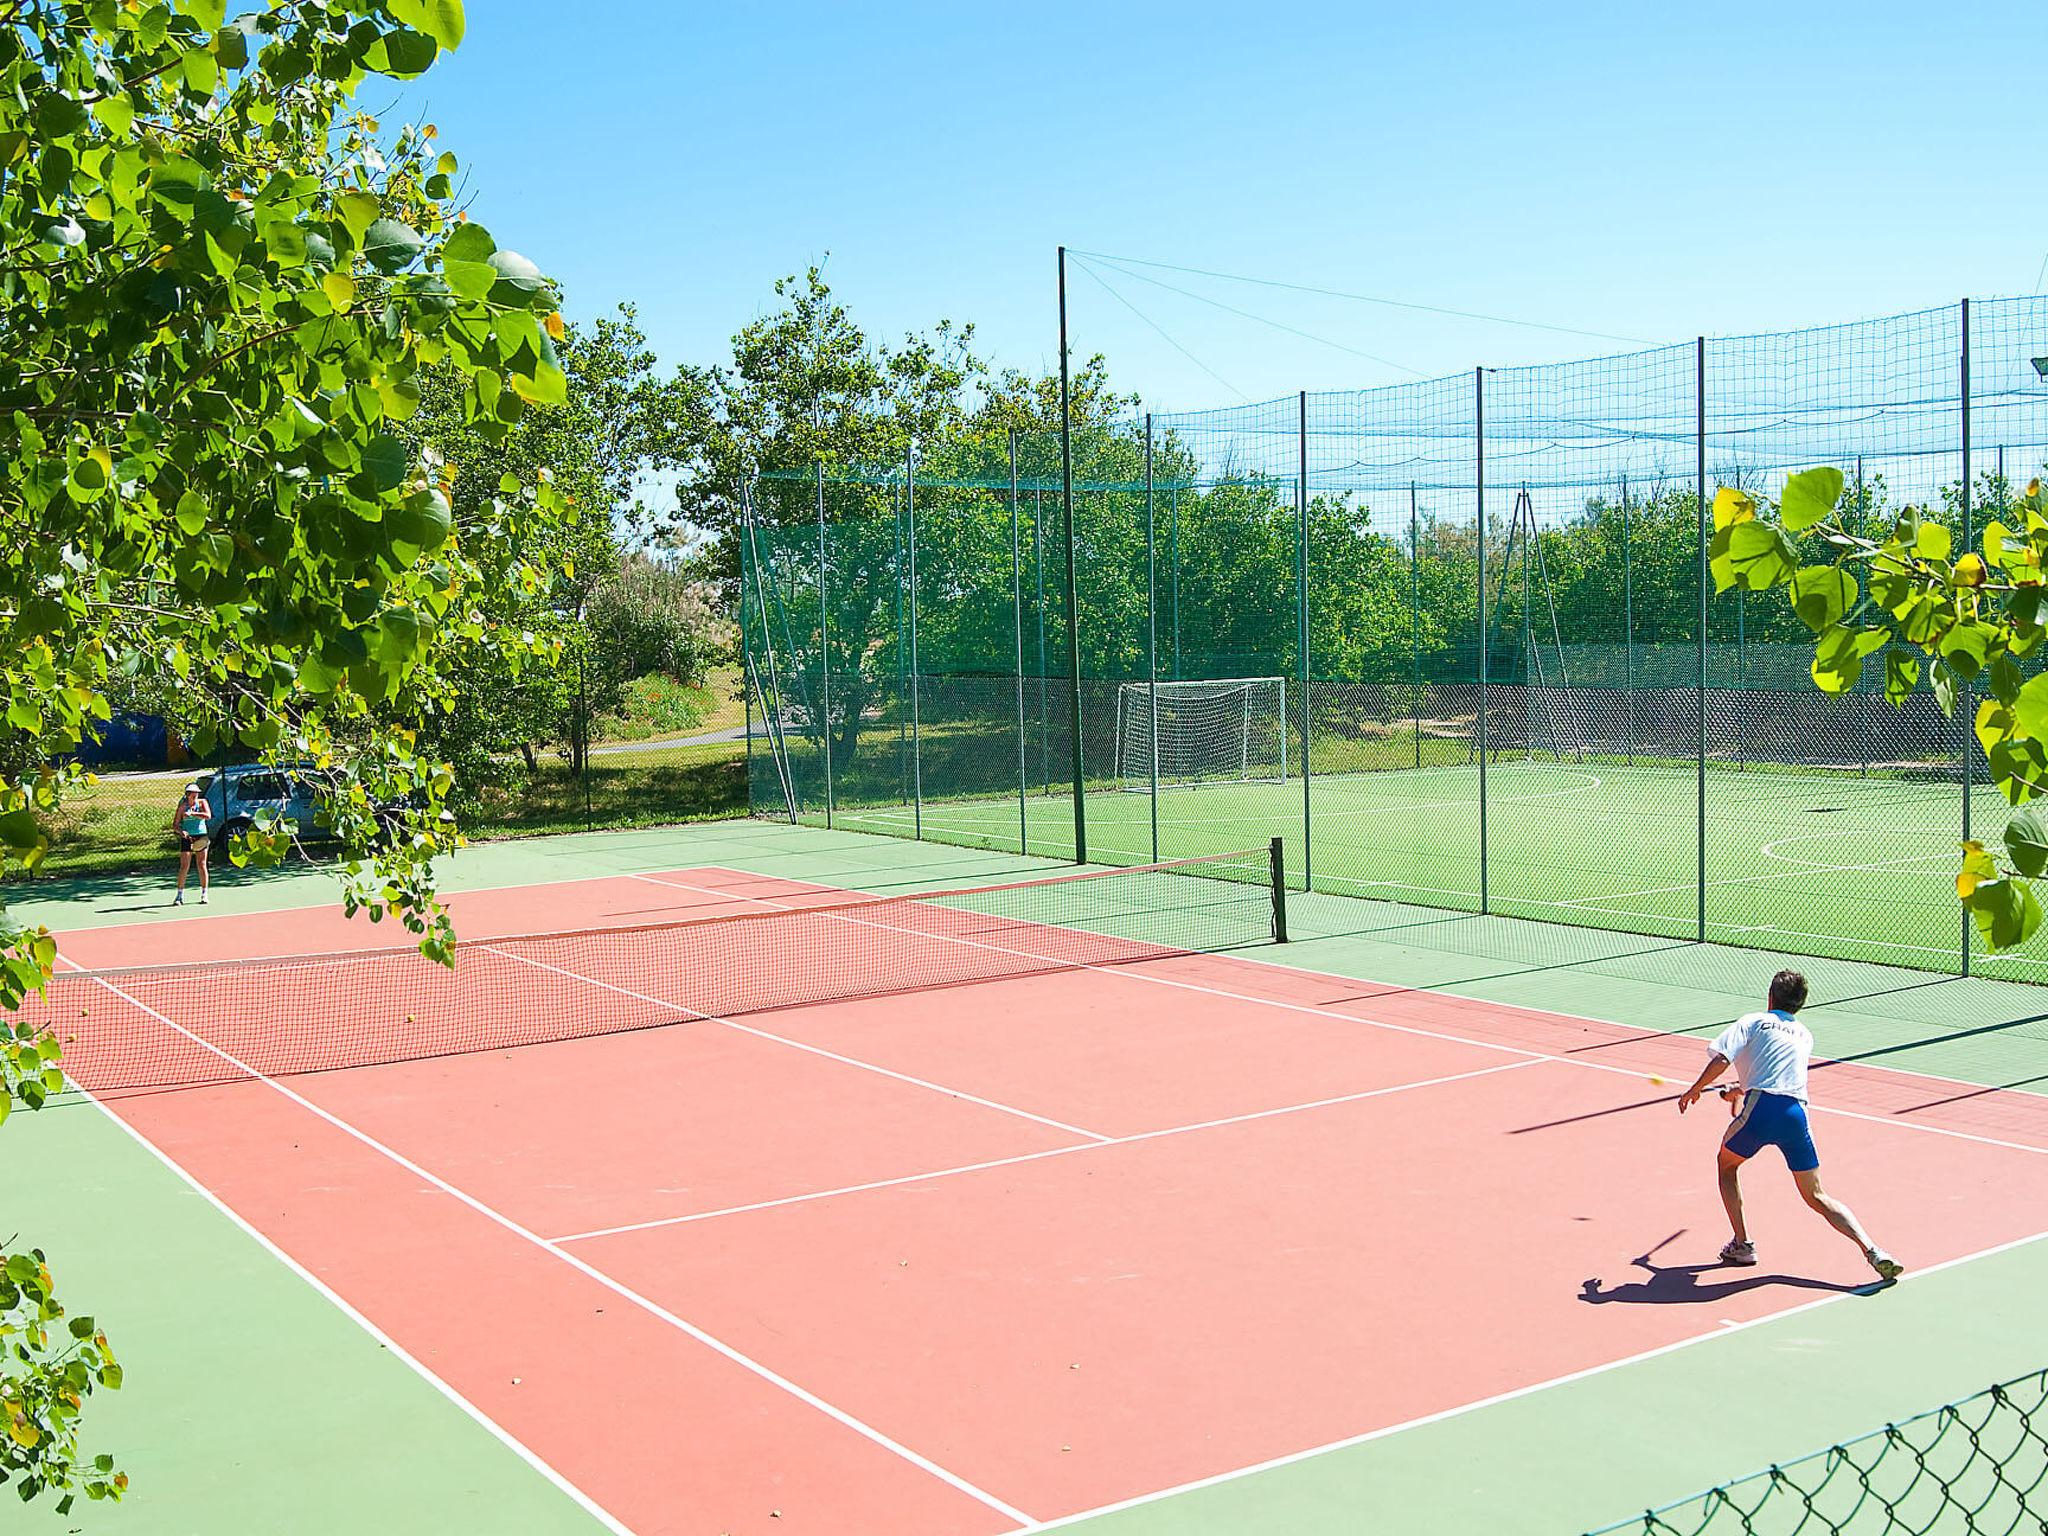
{"points": [[185, 1025]]}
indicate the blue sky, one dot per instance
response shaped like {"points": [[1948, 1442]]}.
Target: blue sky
{"points": [[1642, 170]]}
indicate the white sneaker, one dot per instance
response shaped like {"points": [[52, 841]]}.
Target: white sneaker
{"points": [[202, 898], [1739, 1252], [178, 900], [1887, 1267]]}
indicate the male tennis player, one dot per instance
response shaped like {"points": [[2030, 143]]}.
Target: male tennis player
{"points": [[1770, 1052]]}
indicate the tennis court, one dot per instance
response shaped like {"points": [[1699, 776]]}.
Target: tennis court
{"points": [[755, 1204]]}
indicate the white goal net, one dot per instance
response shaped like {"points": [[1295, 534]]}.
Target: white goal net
{"points": [[1180, 734]]}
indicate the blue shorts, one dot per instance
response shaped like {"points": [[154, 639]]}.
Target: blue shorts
{"points": [[1773, 1120]]}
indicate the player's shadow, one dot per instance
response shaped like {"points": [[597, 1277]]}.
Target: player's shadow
{"points": [[1677, 1285]]}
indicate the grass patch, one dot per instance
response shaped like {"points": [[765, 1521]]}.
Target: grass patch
{"points": [[659, 705]]}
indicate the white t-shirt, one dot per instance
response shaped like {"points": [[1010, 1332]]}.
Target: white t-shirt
{"points": [[1769, 1052]]}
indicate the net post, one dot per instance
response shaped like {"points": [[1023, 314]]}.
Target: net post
{"points": [[1301, 610], [1073, 607], [1017, 614], [1963, 711], [1152, 637], [1700, 537], [1277, 855], [916, 724], [1479, 478], [824, 652]]}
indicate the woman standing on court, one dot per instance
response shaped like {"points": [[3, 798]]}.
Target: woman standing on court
{"points": [[194, 823]]}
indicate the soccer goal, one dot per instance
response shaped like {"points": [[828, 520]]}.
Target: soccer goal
{"points": [[1230, 730]]}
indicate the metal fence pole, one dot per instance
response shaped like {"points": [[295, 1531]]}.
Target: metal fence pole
{"points": [[1017, 629], [824, 653], [916, 723], [1865, 708], [1073, 607], [1308, 880], [902, 676], [1628, 622], [1415, 615], [1173, 564], [1700, 745], [1152, 636], [1038, 570], [746, 693], [1963, 711], [1479, 465]]}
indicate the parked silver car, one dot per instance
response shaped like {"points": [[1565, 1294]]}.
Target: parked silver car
{"points": [[237, 795]]}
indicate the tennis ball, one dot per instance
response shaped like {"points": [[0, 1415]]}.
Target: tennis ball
{"points": [[1658, 1081]]}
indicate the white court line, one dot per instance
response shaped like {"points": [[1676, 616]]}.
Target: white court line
{"points": [[491, 1426], [1328, 1013], [619, 1288], [1721, 1331], [1034, 1157], [800, 1045]]}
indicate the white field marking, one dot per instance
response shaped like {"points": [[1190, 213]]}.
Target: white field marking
{"points": [[1034, 1157], [619, 1288], [1294, 1457], [1896, 865], [799, 1045], [490, 1425], [1770, 850], [1404, 1029]]}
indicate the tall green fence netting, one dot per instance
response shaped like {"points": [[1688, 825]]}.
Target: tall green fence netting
{"points": [[1453, 640]]}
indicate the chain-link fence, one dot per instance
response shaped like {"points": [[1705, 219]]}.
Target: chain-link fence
{"points": [[1977, 1466], [1454, 640]]}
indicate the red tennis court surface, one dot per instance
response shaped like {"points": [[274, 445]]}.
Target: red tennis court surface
{"points": [[982, 1257]]}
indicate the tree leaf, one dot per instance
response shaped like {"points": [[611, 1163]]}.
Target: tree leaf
{"points": [[1760, 556], [1821, 594], [1839, 654], [386, 461], [2030, 709], [1901, 675], [2026, 842], [1809, 498], [2006, 912], [1731, 507], [391, 246], [469, 242]]}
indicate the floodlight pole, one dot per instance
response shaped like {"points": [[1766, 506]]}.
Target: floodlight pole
{"points": [[1073, 608]]}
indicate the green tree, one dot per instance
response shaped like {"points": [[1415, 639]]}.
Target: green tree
{"points": [[1907, 597], [220, 283], [617, 429]]}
